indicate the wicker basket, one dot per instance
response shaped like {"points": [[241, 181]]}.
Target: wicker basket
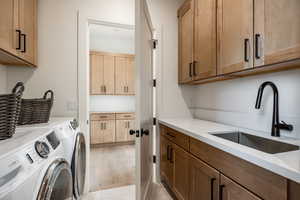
{"points": [[35, 111], [10, 105]]}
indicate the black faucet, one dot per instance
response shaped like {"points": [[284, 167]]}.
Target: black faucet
{"points": [[276, 126]]}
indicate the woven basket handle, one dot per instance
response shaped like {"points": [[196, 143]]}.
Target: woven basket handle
{"points": [[19, 88], [51, 96]]}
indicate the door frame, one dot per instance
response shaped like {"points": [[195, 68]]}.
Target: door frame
{"points": [[83, 77]]}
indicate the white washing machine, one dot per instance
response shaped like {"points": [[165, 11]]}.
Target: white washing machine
{"points": [[74, 145], [32, 167]]}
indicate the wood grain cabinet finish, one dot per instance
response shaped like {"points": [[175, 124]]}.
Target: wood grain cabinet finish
{"points": [[122, 130], [204, 181], [166, 167], [235, 35], [205, 39], [102, 74], [276, 31], [229, 190], [186, 31], [125, 73], [102, 131], [18, 32]]}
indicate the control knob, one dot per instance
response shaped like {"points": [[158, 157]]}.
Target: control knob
{"points": [[42, 149]]}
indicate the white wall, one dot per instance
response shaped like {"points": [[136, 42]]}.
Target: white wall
{"points": [[57, 48], [3, 79], [112, 103], [172, 100], [232, 102]]}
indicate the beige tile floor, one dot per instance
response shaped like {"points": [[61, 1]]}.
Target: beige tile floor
{"points": [[127, 193], [111, 167]]}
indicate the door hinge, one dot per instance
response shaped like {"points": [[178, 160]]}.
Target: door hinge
{"points": [[154, 158], [154, 82], [87, 122], [154, 43], [154, 121]]}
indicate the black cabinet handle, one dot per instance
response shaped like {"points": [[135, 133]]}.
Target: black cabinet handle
{"points": [[171, 155], [212, 188], [221, 191], [257, 46], [19, 39], [194, 68], [246, 48], [24, 43], [168, 152], [190, 69]]}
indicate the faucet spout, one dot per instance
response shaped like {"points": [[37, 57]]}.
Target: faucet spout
{"points": [[276, 126]]}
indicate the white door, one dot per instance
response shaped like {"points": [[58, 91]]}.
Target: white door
{"points": [[144, 66]]}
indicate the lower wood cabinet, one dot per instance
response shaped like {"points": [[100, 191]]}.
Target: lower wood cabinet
{"points": [[203, 172], [102, 131], [122, 130]]}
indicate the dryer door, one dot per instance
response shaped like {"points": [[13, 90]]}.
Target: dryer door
{"points": [[57, 183], [79, 165]]}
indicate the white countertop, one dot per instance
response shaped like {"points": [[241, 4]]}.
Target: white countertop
{"points": [[284, 164]]}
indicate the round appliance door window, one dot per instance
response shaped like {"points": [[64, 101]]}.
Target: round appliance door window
{"points": [[79, 165], [57, 183]]}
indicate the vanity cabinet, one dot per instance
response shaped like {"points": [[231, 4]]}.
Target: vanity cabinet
{"points": [[194, 170], [111, 74], [18, 32]]}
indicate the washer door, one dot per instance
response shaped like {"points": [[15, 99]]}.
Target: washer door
{"points": [[79, 165], [57, 183]]}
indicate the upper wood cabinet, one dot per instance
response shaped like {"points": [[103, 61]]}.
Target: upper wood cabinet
{"points": [[102, 74], [185, 42], [18, 32], [205, 39], [235, 35], [125, 73], [111, 74], [276, 31]]}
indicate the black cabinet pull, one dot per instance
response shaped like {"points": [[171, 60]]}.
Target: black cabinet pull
{"points": [[172, 136], [168, 152], [221, 191], [24, 43], [246, 48], [194, 68], [190, 69], [212, 188], [171, 155], [19, 40], [257, 46]]}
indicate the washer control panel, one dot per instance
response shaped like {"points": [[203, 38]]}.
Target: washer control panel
{"points": [[42, 149]]}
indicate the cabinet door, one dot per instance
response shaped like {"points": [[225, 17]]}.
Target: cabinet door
{"points": [[121, 130], [8, 25], [96, 74], [166, 167], [109, 131], [109, 75], [205, 39], [235, 35], [130, 76], [277, 31], [204, 181], [185, 23], [28, 20], [121, 75], [181, 181], [96, 128], [232, 191], [131, 126]]}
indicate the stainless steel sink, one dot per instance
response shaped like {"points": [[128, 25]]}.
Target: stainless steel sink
{"points": [[258, 143]]}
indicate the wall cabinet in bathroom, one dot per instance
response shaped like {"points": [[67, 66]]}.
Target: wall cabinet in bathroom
{"points": [[18, 32], [111, 74]]}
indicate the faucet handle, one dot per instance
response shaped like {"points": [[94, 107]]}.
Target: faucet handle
{"points": [[285, 126]]}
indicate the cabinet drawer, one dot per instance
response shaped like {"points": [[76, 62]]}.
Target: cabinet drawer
{"points": [[125, 116], [176, 137], [104, 116], [262, 182]]}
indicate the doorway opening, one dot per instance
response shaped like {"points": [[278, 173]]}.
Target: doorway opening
{"points": [[112, 110]]}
